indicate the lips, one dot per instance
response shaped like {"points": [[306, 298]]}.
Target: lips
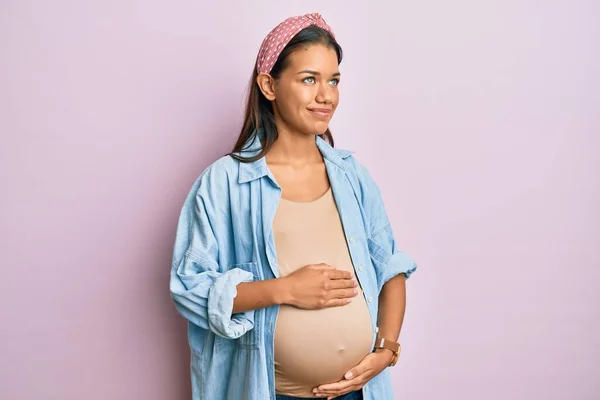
{"points": [[320, 112]]}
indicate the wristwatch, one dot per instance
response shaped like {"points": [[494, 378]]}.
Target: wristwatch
{"points": [[383, 343]]}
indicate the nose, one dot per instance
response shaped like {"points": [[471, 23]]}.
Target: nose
{"points": [[324, 94]]}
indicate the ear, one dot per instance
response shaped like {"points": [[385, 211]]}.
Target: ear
{"points": [[266, 84]]}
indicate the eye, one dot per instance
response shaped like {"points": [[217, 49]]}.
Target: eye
{"points": [[335, 81], [312, 78]]}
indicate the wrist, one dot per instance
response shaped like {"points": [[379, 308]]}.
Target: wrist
{"points": [[281, 291], [385, 354]]}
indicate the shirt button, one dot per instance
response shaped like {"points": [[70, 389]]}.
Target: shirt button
{"points": [[370, 299], [352, 239], [360, 268], [366, 388]]}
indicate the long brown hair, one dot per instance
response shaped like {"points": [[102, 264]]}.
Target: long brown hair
{"points": [[259, 110]]}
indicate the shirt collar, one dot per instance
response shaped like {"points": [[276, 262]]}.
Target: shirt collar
{"points": [[257, 169]]}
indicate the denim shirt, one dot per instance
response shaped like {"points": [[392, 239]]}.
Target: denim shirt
{"points": [[225, 237]]}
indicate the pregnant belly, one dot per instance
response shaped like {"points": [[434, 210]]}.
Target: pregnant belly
{"points": [[313, 347]]}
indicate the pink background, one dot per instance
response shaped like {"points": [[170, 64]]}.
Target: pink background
{"points": [[480, 120]]}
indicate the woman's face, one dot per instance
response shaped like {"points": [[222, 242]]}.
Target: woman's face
{"points": [[306, 94]]}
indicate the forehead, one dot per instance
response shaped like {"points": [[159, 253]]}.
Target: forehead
{"points": [[315, 57]]}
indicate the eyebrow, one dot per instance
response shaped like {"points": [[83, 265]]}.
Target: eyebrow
{"points": [[308, 71]]}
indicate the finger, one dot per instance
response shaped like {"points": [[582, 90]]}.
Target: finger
{"points": [[356, 376], [336, 302], [339, 274], [357, 371], [335, 395], [332, 388], [343, 293], [342, 386], [338, 386], [342, 283]]}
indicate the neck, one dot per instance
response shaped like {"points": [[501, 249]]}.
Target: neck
{"points": [[294, 148]]}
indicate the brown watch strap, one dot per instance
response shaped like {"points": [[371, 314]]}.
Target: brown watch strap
{"points": [[394, 347], [383, 343]]}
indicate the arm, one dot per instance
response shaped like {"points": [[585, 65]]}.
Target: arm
{"points": [[259, 294], [392, 305], [202, 292], [310, 287]]}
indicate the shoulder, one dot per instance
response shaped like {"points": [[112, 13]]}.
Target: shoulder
{"points": [[215, 180], [224, 167]]}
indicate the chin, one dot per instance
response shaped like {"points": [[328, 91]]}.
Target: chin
{"points": [[320, 129], [313, 128]]}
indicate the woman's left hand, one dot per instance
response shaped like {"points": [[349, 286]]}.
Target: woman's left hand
{"points": [[369, 367]]}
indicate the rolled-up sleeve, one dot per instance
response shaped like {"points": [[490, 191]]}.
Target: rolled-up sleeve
{"points": [[389, 261], [202, 292]]}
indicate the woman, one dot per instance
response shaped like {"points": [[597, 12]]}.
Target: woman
{"points": [[285, 263]]}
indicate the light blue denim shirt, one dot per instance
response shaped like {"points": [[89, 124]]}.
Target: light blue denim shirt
{"points": [[225, 237]]}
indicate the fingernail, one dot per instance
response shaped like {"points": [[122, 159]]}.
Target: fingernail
{"points": [[355, 291], [348, 375]]}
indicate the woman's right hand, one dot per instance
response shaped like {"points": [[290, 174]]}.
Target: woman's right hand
{"points": [[319, 286]]}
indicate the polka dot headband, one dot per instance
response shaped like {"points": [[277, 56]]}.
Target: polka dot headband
{"points": [[281, 35]]}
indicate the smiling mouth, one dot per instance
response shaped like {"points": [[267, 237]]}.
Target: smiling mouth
{"points": [[320, 112]]}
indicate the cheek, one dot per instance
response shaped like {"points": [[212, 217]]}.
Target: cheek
{"points": [[305, 97], [297, 98]]}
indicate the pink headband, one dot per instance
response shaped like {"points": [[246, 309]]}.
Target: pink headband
{"points": [[281, 35]]}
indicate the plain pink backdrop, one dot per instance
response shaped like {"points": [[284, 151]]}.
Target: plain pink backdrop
{"points": [[479, 120]]}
